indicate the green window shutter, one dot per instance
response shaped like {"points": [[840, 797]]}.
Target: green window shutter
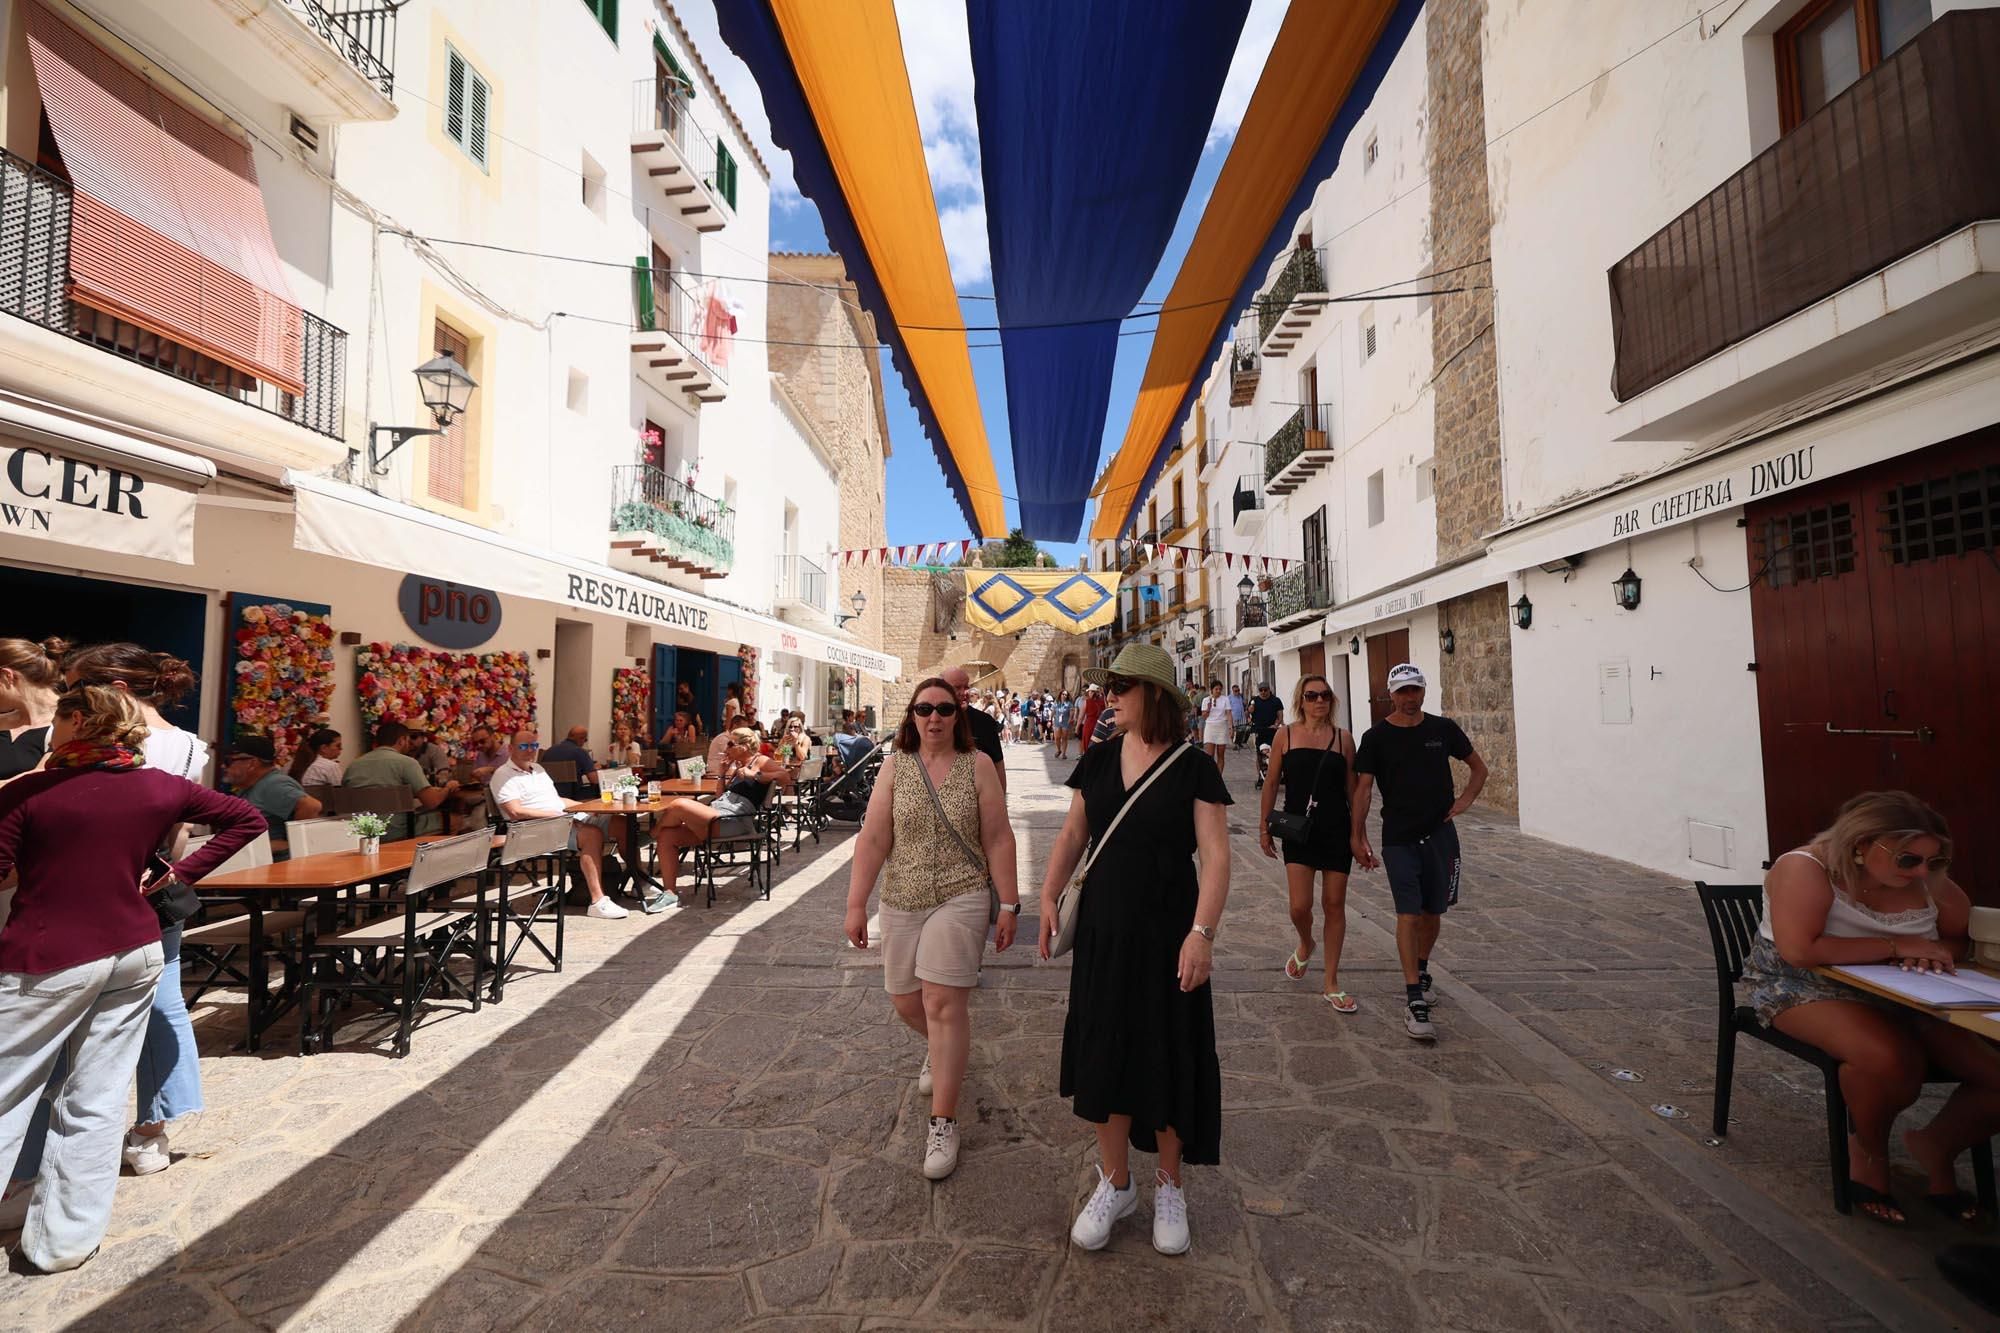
{"points": [[666, 56], [725, 174], [606, 12], [642, 278]]}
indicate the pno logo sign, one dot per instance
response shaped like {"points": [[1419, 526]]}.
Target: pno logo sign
{"points": [[450, 615]]}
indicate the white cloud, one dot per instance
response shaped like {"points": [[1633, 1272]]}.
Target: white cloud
{"points": [[964, 230], [733, 76], [954, 165], [938, 54], [1260, 34]]}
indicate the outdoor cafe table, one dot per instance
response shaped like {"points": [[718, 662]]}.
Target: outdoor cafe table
{"points": [[325, 874], [643, 884], [1985, 1022]]}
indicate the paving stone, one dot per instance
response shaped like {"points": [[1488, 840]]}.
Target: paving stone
{"points": [[1320, 1066], [1273, 1146], [1008, 1196], [1592, 1307], [377, 1241], [546, 1248], [797, 1280], [263, 1203], [1322, 1280], [1755, 1309], [1385, 1207], [1114, 1293], [1461, 1155], [1613, 1234], [1483, 1300], [885, 1277], [163, 1306], [880, 1198], [1475, 1223], [723, 1215], [617, 1301], [990, 1284], [1517, 1122]]}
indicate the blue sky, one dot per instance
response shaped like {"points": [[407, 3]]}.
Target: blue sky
{"points": [[920, 508]]}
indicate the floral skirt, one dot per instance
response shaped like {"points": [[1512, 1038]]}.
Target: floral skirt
{"points": [[1774, 985]]}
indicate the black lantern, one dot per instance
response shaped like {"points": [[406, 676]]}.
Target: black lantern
{"points": [[859, 602], [446, 390], [1626, 588], [1244, 587], [1524, 612], [1354, 645], [1448, 642]]}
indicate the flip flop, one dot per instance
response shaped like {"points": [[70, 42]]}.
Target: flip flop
{"points": [[1342, 1002], [1295, 966], [1956, 1205], [1865, 1197]]}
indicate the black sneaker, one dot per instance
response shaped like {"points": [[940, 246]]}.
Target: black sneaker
{"points": [[1417, 1022]]}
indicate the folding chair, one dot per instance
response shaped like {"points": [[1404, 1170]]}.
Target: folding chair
{"points": [[310, 837], [228, 947], [1734, 912], [805, 814], [539, 848], [391, 801], [739, 833], [421, 935]]}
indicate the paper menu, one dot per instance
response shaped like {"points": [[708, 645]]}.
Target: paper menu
{"points": [[1962, 990]]}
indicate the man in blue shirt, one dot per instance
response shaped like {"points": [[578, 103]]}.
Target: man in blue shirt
{"points": [[570, 750]]}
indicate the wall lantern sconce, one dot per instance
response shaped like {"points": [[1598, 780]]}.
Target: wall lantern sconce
{"points": [[1626, 588], [1448, 642], [1524, 612], [1244, 587], [1354, 645], [447, 392], [859, 602]]}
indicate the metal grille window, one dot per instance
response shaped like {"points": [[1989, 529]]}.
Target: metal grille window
{"points": [[467, 97], [1954, 515], [1811, 544]]}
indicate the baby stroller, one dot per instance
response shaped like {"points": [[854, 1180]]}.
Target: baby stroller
{"points": [[846, 797], [1263, 763]]}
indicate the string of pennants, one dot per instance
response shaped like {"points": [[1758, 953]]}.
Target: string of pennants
{"points": [[923, 553], [1180, 557]]}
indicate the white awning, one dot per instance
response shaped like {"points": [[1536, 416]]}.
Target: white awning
{"points": [[75, 479], [1415, 595], [354, 524]]}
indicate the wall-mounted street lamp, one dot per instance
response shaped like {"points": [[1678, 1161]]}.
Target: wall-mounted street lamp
{"points": [[1354, 646], [859, 602], [1448, 642], [1626, 588], [447, 392], [1524, 612], [1244, 587]]}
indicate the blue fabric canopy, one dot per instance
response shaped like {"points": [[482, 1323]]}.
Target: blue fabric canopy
{"points": [[1092, 119]]}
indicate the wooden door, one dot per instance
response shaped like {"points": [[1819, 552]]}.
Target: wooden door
{"points": [[1877, 632], [1384, 651], [1312, 660]]}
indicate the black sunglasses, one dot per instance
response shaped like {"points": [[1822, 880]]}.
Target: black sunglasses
{"points": [[1314, 696], [1910, 861], [942, 710], [1119, 684]]}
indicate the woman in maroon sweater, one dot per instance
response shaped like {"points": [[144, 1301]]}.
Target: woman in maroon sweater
{"points": [[80, 955]]}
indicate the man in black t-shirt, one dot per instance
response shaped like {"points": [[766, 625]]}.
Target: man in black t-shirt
{"points": [[1408, 754], [985, 727], [1267, 712]]}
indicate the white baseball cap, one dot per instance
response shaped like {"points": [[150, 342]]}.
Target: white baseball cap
{"points": [[1405, 676]]}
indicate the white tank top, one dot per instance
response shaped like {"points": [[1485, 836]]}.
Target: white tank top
{"points": [[1847, 919]]}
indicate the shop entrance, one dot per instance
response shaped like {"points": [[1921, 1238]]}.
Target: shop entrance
{"points": [[95, 611], [1877, 639], [1384, 651], [707, 676]]}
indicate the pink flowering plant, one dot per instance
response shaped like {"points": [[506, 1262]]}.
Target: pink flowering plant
{"points": [[631, 699], [450, 693], [281, 673]]}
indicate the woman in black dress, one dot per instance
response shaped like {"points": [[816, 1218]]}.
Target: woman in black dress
{"points": [[1315, 764], [30, 679], [1138, 1053]]}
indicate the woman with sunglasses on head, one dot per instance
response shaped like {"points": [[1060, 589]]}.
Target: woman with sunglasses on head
{"points": [[1138, 1054], [1314, 760], [685, 822], [938, 821], [1875, 888]]}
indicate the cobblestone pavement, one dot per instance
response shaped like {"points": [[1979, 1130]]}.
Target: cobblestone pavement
{"points": [[710, 1120]]}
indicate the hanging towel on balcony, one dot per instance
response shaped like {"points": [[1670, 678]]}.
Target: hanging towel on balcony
{"points": [[718, 329], [169, 232]]}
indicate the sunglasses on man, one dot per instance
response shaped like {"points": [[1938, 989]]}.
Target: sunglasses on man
{"points": [[942, 710]]}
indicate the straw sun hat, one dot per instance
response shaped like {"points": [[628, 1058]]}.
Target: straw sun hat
{"points": [[1141, 661]]}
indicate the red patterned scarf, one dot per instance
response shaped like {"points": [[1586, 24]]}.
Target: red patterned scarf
{"points": [[95, 754]]}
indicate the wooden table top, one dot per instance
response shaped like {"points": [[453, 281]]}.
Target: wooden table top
{"points": [[1985, 1023], [325, 870]]}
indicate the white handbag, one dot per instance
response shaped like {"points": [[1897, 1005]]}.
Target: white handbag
{"points": [[1071, 901]]}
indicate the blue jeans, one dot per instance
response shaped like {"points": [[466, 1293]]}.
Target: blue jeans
{"points": [[169, 1063]]}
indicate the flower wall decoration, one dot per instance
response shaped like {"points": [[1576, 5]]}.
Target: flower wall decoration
{"points": [[448, 692], [748, 657], [280, 669], [632, 700]]}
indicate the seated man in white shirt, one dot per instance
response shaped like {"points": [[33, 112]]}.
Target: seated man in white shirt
{"points": [[522, 789]]}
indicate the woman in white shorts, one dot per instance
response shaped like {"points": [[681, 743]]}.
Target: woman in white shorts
{"points": [[1218, 724], [938, 819]]}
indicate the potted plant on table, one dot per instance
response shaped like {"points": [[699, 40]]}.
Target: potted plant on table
{"points": [[369, 828]]}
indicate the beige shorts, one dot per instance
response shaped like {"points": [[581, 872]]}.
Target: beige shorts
{"points": [[942, 946]]}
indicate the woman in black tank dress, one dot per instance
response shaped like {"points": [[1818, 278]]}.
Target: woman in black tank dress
{"points": [[1315, 759]]}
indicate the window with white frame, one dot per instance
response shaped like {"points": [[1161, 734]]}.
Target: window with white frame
{"points": [[1371, 151], [467, 98], [1426, 479], [1375, 500]]}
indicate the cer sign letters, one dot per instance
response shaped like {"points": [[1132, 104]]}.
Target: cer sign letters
{"points": [[450, 615]]}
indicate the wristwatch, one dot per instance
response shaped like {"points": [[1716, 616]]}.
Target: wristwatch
{"points": [[1012, 908], [1206, 932]]}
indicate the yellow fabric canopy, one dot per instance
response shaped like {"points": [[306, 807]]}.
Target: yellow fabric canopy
{"points": [[1321, 50], [849, 61], [1001, 601]]}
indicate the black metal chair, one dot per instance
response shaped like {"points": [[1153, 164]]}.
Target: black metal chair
{"points": [[733, 835], [805, 815], [400, 958], [1734, 912], [538, 848]]}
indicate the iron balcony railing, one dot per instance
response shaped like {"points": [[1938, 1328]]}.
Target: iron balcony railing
{"points": [[1302, 588], [1303, 429], [1250, 614], [1170, 523], [1249, 494], [1304, 271], [693, 527], [1246, 359], [35, 207], [363, 31], [800, 580], [660, 104], [1905, 155], [664, 302]]}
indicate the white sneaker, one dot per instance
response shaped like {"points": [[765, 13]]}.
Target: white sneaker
{"points": [[606, 910], [14, 1207], [144, 1156], [1106, 1205], [1170, 1227], [1417, 1021], [941, 1148], [924, 1077]]}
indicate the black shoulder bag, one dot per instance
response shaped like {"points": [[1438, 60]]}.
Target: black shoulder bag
{"points": [[1297, 828]]}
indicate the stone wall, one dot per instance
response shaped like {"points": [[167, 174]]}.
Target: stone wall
{"points": [[1478, 687], [819, 336], [1041, 657], [1478, 677]]}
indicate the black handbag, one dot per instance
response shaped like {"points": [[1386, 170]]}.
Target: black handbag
{"points": [[173, 900], [1297, 828]]}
